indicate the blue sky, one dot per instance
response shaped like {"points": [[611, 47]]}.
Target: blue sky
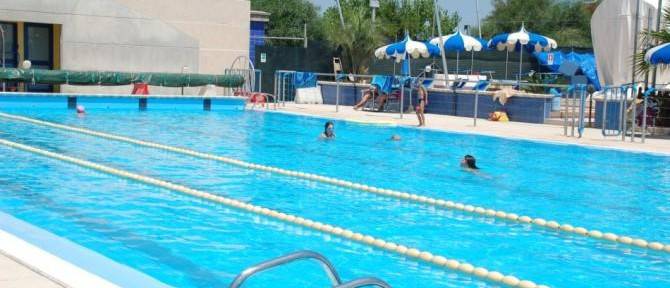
{"points": [[465, 8]]}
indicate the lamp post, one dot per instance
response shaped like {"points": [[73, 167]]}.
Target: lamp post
{"points": [[374, 4]]}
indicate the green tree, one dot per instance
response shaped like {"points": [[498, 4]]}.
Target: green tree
{"points": [[287, 18], [568, 22], [357, 40], [360, 38], [654, 38], [415, 17]]}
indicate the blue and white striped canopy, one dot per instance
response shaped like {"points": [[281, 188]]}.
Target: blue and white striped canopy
{"points": [[658, 55], [458, 42], [514, 41], [400, 50]]}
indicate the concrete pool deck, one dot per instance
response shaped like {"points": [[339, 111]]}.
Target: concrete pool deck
{"points": [[542, 132], [14, 275]]}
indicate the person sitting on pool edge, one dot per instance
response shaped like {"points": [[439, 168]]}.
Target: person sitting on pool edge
{"points": [[469, 162], [373, 91], [328, 131]]}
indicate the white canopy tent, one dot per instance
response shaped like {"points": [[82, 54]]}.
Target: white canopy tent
{"points": [[613, 34]]}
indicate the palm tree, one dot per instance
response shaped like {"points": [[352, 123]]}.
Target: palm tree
{"points": [[357, 40], [656, 37]]}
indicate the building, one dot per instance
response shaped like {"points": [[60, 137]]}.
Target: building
{"points": [[257, 28], [178, 36]]}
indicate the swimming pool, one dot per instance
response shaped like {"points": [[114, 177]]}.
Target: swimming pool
{"points": [[206, 244]]}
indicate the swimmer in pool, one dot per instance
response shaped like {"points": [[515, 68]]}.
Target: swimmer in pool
{"points": [[469, 162], [395, 137], [81, 111], [328, 131]]}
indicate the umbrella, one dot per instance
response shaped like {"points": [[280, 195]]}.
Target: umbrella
{"points": [[407, 47], [459, 42], [403, 51], [658, 55], [518, 41]]}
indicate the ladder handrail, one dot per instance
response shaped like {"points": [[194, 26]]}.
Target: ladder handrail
{"points": [[362, 282], [299, 255]]}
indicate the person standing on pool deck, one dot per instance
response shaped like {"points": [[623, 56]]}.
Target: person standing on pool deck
{"points": [[421, 106], [328, 131]]}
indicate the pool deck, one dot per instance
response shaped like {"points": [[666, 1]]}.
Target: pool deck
{"points": [[14, 275], [541, 132]]}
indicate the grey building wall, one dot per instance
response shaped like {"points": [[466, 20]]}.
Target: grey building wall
{"points": [[141, 35]]}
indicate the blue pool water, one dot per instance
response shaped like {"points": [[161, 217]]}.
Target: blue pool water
{"points": [[206, 245]]}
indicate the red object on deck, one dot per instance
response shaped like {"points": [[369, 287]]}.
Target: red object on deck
{"points": [[140, 89]]}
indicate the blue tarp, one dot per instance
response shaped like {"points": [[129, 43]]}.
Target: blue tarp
{"points": [[385, 83], [585, 61], [304, 80]]}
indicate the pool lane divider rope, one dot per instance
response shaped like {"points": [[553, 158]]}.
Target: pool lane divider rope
{"points": [[367, 240], [424, 200]]}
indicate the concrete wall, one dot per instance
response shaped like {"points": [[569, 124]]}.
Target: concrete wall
{"points": [[141, 35]]}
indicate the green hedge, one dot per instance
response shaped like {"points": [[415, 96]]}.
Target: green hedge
{"points": [[42, 76]]}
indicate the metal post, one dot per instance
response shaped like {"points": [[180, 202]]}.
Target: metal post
{"points": [[604, 120], [479, 23], [644, 119], [637, 31], [304, 35], [623, 106], [339, 10], [441, 44], [634, 115], [2, 34], [565, 114], [572, 110], [474, 118], [506, 63], [658, 28], [402, 99], [275, 84], [520, 68], [337, 94]]}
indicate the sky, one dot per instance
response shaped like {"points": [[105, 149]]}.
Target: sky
{"points": [[465, 8]]}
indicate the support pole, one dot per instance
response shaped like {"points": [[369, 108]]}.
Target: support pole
{"points": [[518, 83], [2, 34], [339, 10], [304, 35], [635, 47], [658, 28], [441, 44]]}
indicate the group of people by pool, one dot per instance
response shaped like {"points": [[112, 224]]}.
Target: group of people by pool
{"points": [[375, 93], [468, 162]]}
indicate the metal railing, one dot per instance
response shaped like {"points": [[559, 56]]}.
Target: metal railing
{"points": [[335, 280], [363, 282], [573, 114], [624, 122], [300, 255], [574, 110]]}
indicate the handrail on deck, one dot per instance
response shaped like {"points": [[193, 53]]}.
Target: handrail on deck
{"points": [[295, 256]]}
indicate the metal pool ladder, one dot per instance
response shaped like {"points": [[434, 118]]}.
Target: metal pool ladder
{"points": [[302, 255]]}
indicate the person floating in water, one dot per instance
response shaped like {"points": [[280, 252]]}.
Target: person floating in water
{"points": [[469, 162], [328, 131], [81, 110], [396, 137]]}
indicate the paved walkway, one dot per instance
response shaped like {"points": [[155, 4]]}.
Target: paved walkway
{"points": [[592, 137], [15, 275]]}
